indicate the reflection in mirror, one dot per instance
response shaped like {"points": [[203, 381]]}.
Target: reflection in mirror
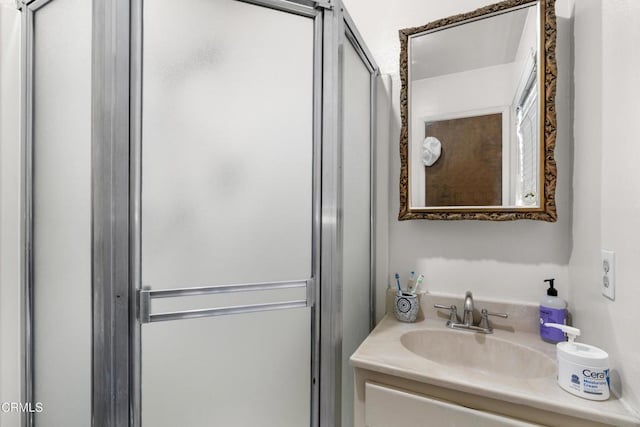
{"points": [[474, 144]]}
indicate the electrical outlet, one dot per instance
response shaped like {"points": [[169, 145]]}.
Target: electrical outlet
{"points": [[608, 274]]}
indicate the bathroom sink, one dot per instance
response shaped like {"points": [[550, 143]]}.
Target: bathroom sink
{"points": [[487, 354]]}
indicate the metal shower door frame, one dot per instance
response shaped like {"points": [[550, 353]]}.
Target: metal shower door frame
{"points": [[139, 297], [339, 28], [29, 9]]}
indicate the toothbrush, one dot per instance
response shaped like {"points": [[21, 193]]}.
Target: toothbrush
{"points": [[412, 282], [418, 283], [398, 283]]}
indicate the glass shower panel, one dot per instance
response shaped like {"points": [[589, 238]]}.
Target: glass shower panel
{"points": [[227, 174], [229, 371], [62, 212], [356, 200], [227, 144]]}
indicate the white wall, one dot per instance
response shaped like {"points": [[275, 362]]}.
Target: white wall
{"points": [[529, 39], [10, 363], [501, 260], [606, 183]]}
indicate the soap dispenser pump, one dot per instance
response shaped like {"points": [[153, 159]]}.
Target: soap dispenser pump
{"points": [[552, 310]]}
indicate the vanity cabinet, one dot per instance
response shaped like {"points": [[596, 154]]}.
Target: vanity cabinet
{"points": [[387, 406], [385, 400]]}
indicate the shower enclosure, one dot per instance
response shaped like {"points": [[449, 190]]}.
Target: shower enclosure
{"points": [[198, 211]]}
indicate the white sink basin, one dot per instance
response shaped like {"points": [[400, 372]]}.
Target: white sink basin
{"points": [[480, 352]]}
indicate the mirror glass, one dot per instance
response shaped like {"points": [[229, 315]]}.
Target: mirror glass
{"points": [[474, 118]]}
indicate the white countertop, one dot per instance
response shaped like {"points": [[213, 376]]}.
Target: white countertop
{"points": [[383, 352]]}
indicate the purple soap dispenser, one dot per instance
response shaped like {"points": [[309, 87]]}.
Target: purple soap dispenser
{"points": [[552, 310]]}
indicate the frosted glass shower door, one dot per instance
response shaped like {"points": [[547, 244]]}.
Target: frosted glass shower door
{"points": [[58, 268], [226, 221], [356, 202]]}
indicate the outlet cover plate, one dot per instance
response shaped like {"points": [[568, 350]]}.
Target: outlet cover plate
{"points": [[608, 274]]}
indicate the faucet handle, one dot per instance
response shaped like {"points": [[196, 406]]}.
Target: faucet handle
{"points": [[453, 312], [484, 320], [485, 313]]}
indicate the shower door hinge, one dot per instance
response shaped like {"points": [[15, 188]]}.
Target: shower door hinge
{"points": [[324, 4]]}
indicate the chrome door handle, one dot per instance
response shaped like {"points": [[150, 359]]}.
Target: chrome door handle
{"points": [[146, 295]]}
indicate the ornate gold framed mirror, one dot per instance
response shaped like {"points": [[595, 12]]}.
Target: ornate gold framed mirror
{"points": [[478, 115]]}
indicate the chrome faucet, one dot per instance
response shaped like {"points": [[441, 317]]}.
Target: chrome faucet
{"points": [[484, 326], [467, 316]]}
